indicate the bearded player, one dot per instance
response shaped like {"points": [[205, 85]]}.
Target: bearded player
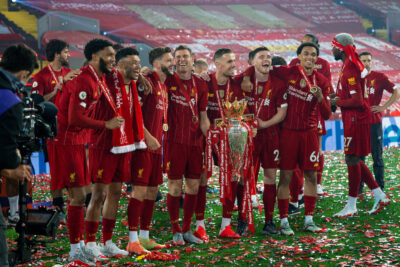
{"points": [[353, 102], [147, 164], [88, 89]]}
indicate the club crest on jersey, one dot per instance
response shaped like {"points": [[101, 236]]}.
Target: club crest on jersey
{"points": [[140, 173], [35, 84], [303, 83], [82, 95], [260, 89], [72, 177], [372, 83], [351, 81], [100, 174]]}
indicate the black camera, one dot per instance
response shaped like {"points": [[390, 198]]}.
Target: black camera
{"points": [[38, 124]]}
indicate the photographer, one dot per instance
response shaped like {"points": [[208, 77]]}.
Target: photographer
{"points": [[16, 66]]}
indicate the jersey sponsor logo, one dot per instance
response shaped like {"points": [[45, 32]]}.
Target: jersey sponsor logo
{"points": [[35, 84], [72, 177], [100, 174], [351, 81], [303, 83], [82, 95], [140, 173]]}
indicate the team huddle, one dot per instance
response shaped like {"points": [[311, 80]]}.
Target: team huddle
{"points": [[118, 123]]}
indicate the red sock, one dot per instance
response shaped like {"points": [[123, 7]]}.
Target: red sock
{"points": [[321, 168], [283, 206], [228, 207], [354, 179], [309, 205], [189, 205], [134, 211], [147, 214], [367, 176], [201, 202], [91, 231], [269, 197], [239, 193], [173, 211], [74, 223], [294, 186], [107, 230]]}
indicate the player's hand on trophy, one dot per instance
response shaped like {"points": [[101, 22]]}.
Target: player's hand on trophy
{"points": [[246, 84], [114, 123]]}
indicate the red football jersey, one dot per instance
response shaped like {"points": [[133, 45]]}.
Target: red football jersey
{"points": [[352, 94], [321, 65], [375, 83], [153, 108], [302, 104], [85, 95], [275, 98], [44, 81], [235, 92], [103, 137], [179, 113]]}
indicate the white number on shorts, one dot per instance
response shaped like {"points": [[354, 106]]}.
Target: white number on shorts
{"points": [[314, 156], [276, 153], [347, 141]]}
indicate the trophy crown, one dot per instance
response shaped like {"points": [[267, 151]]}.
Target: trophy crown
{"points": [[234, 109]]}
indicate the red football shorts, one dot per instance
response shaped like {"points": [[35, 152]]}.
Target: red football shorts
{"points": [[357, 138], [299, 147], [106, 167], [67, 165], [146, 168], [266, 150], [184, 160]]}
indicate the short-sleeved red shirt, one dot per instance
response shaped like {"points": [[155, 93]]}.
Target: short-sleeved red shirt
{"points": [[44, 82], [179, 113], [376, 83]]}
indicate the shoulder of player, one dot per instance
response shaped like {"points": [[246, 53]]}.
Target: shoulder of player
{"points": [[199, 81], [40, 74], [277, 82], [320, 60], [294, 62]]}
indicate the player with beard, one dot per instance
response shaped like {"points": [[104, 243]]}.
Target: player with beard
{"points": [[86, 91], [187, 123], [147, 164], [267, 101], [109, 151], [306, 90], [49, 83], [223, 83], [356, 116], [376, 83]]}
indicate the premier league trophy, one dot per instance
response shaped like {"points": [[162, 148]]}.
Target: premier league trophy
{"points": [[237, 134]]}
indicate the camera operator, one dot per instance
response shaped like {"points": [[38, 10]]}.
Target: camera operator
{"points": [[16, 66]]}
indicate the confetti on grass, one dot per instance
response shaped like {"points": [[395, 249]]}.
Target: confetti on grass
{"points": [[361, 240]]}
